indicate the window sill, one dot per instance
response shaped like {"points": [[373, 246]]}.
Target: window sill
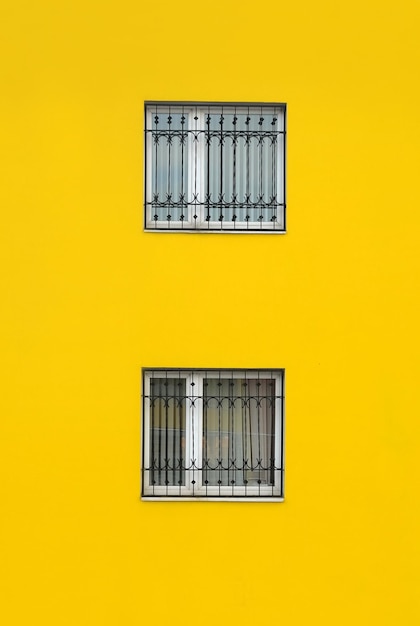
{"points": [[204, 499], [202, 231]]}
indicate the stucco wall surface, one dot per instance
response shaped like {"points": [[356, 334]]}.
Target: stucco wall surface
{"points": [[89, 299]]}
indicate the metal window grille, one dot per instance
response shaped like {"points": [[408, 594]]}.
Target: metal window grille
{"points": [[215, 167], [213, 434]]}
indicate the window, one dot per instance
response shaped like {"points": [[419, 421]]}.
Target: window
{"points": [[215, 167], [213, 434]]}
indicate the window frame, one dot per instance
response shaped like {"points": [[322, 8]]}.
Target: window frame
{"points": [[201, 224], [193, 434]]}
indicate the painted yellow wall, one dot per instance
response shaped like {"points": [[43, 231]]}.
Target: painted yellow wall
{"points": [[89, 299]]}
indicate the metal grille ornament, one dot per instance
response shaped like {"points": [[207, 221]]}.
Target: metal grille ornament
{"points": [[215, 167], [213, 433]]}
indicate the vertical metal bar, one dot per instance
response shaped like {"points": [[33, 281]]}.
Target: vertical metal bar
{"points": [[195, 135], [176, 390], [259, 429], [248, 401], [182, 199], [152, 432], [248, 193], [181, 462], [229, 435], [203, 435], [221, 170], [232, 432], [219, 460], [193, 395], [261, 143], [235, 120], [160, 436], [244, 441], [274, 169], [208, 167], [169, 166], [167, 399], [273, 430], [156, 195]]}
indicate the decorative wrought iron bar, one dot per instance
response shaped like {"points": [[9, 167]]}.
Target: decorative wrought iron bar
{"points": [[213, 433], [215, 167]]}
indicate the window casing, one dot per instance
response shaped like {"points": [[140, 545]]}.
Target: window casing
{"points": [[213, 434], [215, 167]]}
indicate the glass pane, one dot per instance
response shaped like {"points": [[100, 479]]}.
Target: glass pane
{"points": [[238, 432], [167, 431], [242, 166], [169, 165]]}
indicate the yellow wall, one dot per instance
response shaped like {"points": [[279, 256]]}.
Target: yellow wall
{"points": [[90, 299]]}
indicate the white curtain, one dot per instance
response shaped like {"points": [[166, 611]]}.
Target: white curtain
{"points": [[238, 431]]}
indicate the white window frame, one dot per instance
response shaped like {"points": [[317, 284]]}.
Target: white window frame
{"points": [[193, 441], [201, 224]]}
